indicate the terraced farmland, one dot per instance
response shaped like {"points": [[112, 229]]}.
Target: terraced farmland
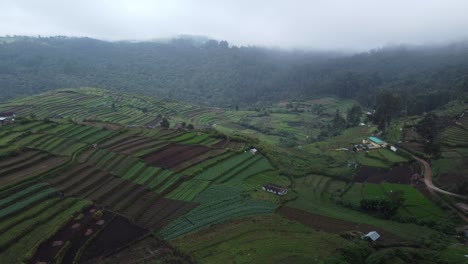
{"points": [[455, 136], [152, 179], [101, 178]]}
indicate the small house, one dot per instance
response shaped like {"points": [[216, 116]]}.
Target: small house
{"points": [[372, 236], [254, 151], [276, 189]]}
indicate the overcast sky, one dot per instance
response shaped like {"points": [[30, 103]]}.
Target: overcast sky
{"points": [[310, 24]]}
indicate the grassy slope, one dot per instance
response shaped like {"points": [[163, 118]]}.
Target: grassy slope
{"points": [[260, 239], [316, 201]]}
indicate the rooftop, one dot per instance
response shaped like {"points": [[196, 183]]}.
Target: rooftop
{"points": [[376, 140], [275, 187]]}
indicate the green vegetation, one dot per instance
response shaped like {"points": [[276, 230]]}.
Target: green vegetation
{"points": [[218, 203], [110, 152], [319, 195], [257, 239]]}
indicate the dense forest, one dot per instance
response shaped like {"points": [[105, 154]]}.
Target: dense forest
{"points": [[211, 72]]}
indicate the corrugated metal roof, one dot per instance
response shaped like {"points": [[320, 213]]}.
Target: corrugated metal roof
{"points": [[377, 140]]}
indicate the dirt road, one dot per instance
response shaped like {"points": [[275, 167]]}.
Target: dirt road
{"points": [[428, 180]]}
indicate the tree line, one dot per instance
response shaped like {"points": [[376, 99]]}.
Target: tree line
{"points": [[215, 73]]}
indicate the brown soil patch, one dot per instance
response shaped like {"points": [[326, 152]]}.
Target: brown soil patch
{"points": [[32, 170], [173, 154], [88, 232], [117, 234], [49, 249], [198, 159], [151, 250], [222, 144], [57, 243], [111, 127], [154, 123], [333, 225], [401, 174], [163, 211], [5, 162], [412, 146], [453, 182]]}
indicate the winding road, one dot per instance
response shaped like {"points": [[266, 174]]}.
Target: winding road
{"points": [[428, 180], [427, 172]]}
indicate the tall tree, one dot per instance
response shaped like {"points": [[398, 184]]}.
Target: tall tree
{"points": [[164, 123], [354, 116], [388, 107]]}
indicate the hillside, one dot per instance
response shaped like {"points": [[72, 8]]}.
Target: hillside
{"points": [[90, 174], [212, 73]]}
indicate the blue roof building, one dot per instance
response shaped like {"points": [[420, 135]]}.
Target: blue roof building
{"points": [[377, 141]]}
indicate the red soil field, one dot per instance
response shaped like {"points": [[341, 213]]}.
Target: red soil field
{"points": [[173, 154], [400, 174]]}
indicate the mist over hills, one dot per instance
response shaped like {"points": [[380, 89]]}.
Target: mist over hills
{"points": [[211, 72]]}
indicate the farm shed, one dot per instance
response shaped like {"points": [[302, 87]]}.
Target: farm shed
{"points": [[7, 117], [374, 143], [372, 235], [276, 189]]}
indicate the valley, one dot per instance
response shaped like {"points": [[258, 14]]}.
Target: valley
{"points": [[93, 175]]}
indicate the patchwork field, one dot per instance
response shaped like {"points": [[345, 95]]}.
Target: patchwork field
{"points": [[145, 180], [88, 174]]}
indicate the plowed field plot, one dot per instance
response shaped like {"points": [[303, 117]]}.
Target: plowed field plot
{"points": [[163, 211], [86, 234], [107, 126], [332, 225], [49, 249], [148, 250], [198, 159], [18, 159], [138, 146], [129, 142], [221, 144], [174, 154], [154, 123], [413, 146], [400, 174], [117, 234], [28, 169]]}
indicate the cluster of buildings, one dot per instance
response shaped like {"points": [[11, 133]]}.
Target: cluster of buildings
{"points": [[370, 143]]}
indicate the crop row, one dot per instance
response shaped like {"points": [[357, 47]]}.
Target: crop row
{"points": [[217, 204], [21, 240], [224, 167], [188, 190]]}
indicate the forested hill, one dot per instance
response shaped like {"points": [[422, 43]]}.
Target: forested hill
{"points": [[214, 73]]}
